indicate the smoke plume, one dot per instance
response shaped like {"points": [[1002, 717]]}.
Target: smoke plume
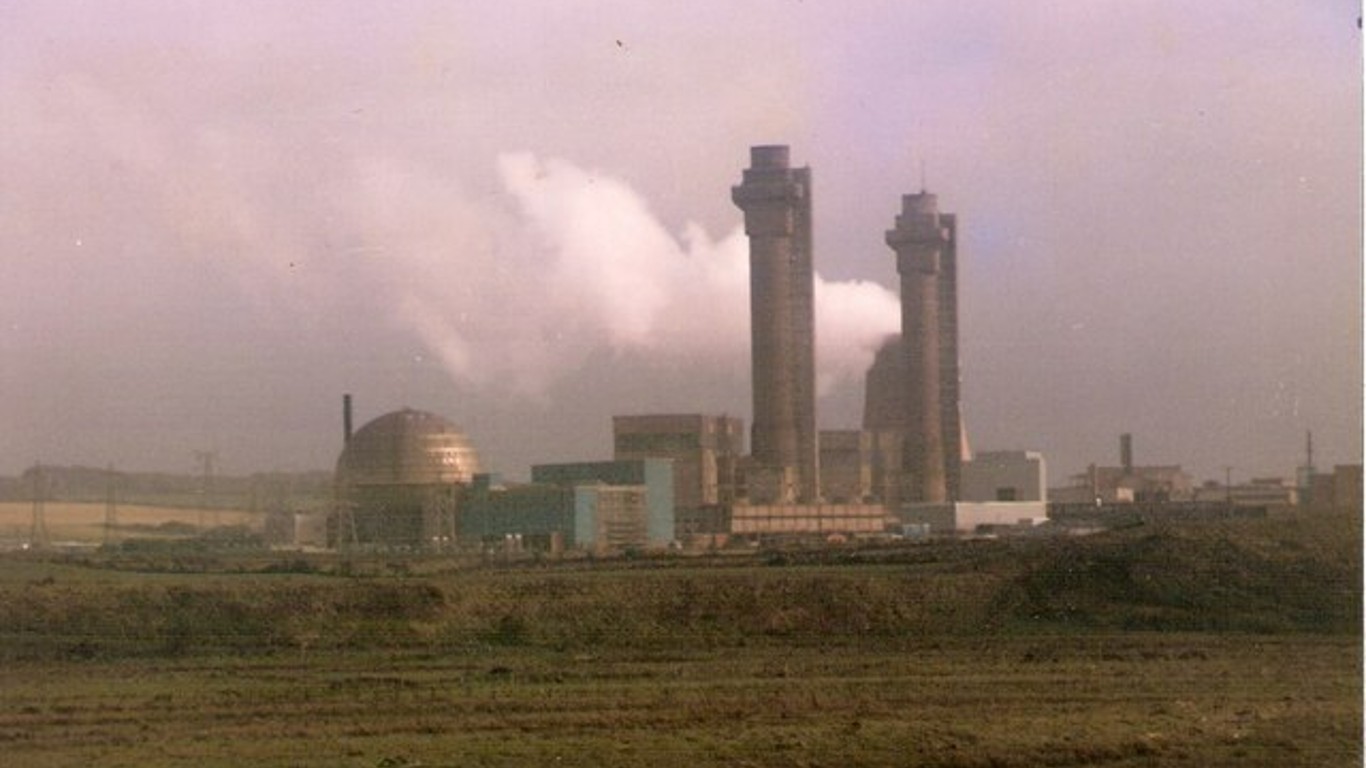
{"points": [[570, 260]]}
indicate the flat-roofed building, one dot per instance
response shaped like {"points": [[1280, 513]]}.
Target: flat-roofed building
{"points": [[704, 449], [1005, 476], [653, 478]]}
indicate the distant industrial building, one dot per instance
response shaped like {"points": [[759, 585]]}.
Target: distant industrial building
{"points": [[809, 520], [705, 451], [1005, 476], [411, 481], [535, 517], [1277, 494], [1335, 492], [963, 518], [1127, 483], [609, 485], [603, 507], [606, 507], [1001, 492]]}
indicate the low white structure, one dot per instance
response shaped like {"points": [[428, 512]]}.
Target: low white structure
{"points": [[968, 517]]}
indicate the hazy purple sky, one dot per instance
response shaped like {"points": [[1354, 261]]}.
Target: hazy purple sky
{"points": [[218, 217]]}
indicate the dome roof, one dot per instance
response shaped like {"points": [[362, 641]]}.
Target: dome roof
{"points": [[408, 447]]}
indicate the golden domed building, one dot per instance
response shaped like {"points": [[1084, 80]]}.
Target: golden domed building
{"points": [[400, 478]]}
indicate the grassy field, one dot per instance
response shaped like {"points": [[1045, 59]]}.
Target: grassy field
{"points": [[83, 523], [1229, 644]]}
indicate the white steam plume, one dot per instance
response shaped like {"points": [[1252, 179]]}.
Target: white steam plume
{"points": [[603, 267]]}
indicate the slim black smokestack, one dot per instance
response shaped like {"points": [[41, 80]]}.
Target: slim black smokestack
{"points": [[346, 420], [1126, 453]]}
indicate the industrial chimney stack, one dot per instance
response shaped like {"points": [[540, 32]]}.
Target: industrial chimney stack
{"points": [[776, 199], [920, 240]]}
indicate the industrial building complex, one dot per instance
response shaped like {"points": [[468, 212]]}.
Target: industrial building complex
{"points": [[410, 480]]}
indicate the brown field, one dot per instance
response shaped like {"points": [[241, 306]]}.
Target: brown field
{"points": [[1128, 700], [83, 523], [1232, 644]]}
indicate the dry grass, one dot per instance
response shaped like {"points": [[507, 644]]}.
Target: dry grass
{"points": [[1194, 700]]}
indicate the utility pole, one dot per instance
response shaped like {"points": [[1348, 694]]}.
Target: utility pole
{"points": [[1228, 485]]}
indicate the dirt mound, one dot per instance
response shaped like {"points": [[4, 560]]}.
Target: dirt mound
{"points": [[1260, 576]]}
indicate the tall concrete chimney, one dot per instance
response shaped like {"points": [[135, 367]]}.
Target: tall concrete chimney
{"points": [[776, 199], [346, 420], [1126, 453], [920, 239]]}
